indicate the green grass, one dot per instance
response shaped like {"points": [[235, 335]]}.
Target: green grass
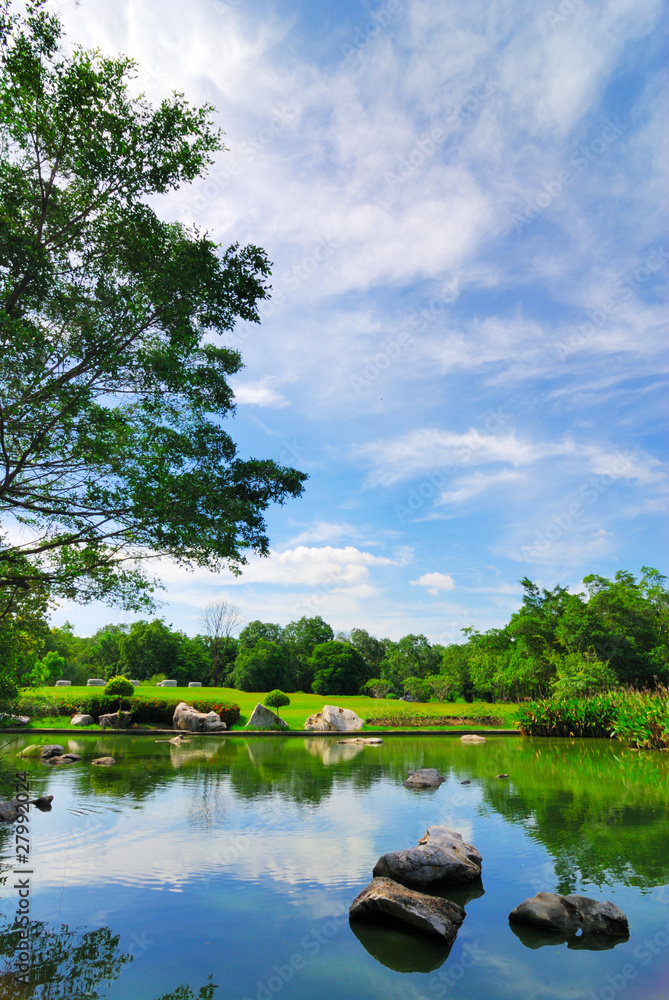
{"points": [[301, 706]]}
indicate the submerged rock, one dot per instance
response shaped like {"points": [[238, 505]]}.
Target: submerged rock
{"points": [[103, 761], [441, 857], [265, 718], [373, 741], [66, 758], [472, 738], [190, 719], [334, 720], [425, 777], [570, 914], [384, 901]]}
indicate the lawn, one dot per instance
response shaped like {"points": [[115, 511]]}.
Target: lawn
{"points": [[303, 705]]}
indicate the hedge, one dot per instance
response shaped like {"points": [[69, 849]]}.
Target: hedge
{"points": [[145, 711]]}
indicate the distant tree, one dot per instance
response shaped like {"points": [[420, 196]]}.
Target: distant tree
{"points": [[220, 619], [412, 656], [47, 670], [371, 649], [301, 638], [418, 688], [580, 674], [376, 687], [262, 668], [338, 668], [256, 630]]}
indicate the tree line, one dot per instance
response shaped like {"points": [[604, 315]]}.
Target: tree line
{"points": [[614, 633]]}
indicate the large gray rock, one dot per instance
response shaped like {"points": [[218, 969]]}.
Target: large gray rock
{"points": [[569, 914], [195, 684], [472, 738], [103, 761], [115, 720], [264, 718], [51, 750], [66, 758], [192, 721], [384, 901], [93, 682], [441, 857], [425, 777], [600, 918], [81, 720], [63, 684], [334, 720], [10, 812], [168, 684]]}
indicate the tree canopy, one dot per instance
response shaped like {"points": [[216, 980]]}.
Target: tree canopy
{"points": [[113, 380]]}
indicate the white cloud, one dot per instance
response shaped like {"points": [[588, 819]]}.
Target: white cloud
{"points": [[261, 393], [434, 582]]}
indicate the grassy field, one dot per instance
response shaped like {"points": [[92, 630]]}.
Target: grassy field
{"points": [[403, 714]]}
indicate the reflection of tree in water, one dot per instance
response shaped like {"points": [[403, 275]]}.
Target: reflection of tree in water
{"points": [[600, 810], [72, 964]]}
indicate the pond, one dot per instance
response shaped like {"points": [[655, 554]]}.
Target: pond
{"points": [[232, 862]]}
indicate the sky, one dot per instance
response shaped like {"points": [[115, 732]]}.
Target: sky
{"points": [[465, 344]]}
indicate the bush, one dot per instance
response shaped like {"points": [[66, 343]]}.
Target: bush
{"points": [[377, 687], [276, 699], [391, 696], [145, 711], [338, 668], [579, 675], [119, 686]]}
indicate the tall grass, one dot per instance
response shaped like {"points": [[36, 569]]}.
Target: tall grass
{"points": [[638, 718]]}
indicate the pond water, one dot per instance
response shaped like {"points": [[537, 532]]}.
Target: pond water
{"points": [[231, 863]]}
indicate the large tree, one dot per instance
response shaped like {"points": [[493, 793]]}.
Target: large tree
{"points": [[113, 382]]}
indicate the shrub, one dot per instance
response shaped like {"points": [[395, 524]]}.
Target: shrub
{"points": [[579, 675], [119, 686], [145, 711], [377, 687], [276, 699], [391, 696]]}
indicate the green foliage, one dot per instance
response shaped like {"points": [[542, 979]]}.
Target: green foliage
{"points": [[338, 668], [412, 656], [578, 674], [411, 719], [371, 649], [391, 696], [262, 668], [418, 688], [377, 687], [119, 686], [47, 670], [301, 639], [592, 717], [255, 630], [440, 686], [145, 711], [276, 699], [113, 379]]}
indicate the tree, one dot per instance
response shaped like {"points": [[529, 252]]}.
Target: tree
{"points": [[376, 687], [221, 620], [277, 699], [417, 688], [338, 668], [302, 637], [47, 670], [412, 656], [371, 649], [262, 668], [112, 383], [255, 630]]}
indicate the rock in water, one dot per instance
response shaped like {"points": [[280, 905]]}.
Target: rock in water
{"points": [[472, 738], [426, 777], [190, 719], [104, 761], [32, 750], [81, 720], [384, 901], [600, 918], [334, 720], [51, 750], [66, 758], [264, 718], [441, 857], [569, 914], [9, 812]]}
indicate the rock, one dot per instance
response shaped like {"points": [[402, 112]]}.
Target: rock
{"points": [[373, 741], [95, 682], [265, 718], [334, 720], [466, 782], [16, 720], [10, 812], [190, 719], [501, 775], [63, 684], [168, 684], [177, 740], [425, 777], [51, 750], [115, 720], [32, 750], [42, 802], [472, 738], [442, 856], [136, 683], [195, 684], [384, 901], [549, 911], [600, 918], [81, 720], [104, 761], [66, 758]]}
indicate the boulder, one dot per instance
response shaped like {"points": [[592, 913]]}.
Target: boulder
{"points": [[14, 720], [32, 750], [441, 857], [195, 684], [191, 720], [104, 761], [66, 758], [63, 684], [42, 802], [334, 720], [115, 720], [51, 750], [10, 812], [472, 738], [373, 741], [136, 683], [81, 720], [168, 684], [93, 682], [600, 918], [384, 901], [425, 777], [265, 718], [570, 914]]}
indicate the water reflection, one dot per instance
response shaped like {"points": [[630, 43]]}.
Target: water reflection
{"points": [[399, 950], [535, 938]]}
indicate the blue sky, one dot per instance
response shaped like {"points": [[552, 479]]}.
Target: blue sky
{"points": [[465, 348]]}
